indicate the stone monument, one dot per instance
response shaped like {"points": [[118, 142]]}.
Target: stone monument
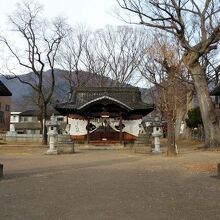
{"points": [[65, 143]]}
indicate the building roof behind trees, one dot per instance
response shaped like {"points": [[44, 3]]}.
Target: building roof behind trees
{"points": [[4, 91]]}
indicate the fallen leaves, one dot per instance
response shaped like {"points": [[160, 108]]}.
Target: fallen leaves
{"points": [[201, 167]]}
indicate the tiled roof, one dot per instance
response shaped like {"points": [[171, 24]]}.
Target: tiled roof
{"points": [[128, 97]]}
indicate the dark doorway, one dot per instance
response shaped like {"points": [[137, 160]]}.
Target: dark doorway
{"points": [[104, 133]]}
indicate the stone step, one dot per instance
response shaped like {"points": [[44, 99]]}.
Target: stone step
{"points": [[101, 143], [65, 147], [142, 139], [143, 149], [144, 135], [64, 138], [143, 143]]}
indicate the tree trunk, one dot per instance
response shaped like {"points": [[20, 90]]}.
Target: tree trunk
{"points": [[179, 118], [171, 113], [171, 149], [210, 122], [43, 124]]}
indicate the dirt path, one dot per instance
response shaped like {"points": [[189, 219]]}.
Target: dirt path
{"points": [[107, 184]]}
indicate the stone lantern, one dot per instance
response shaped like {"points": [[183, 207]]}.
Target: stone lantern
{"points": [[52, 133], [157, 133]]}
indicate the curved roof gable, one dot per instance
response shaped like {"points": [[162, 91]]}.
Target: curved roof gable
{"points": [[102, 98]]}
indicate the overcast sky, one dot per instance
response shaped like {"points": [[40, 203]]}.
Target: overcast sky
{"points": [[95, 13]]}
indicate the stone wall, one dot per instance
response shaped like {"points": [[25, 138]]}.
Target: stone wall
{"points": [[23, 137]]}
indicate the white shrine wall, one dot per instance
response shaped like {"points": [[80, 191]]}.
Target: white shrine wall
{"points": [[78, 126]]}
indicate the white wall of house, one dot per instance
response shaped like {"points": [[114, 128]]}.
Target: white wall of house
{"points": [[17, 118], [32, 131], [28, 119], [14, 118]]}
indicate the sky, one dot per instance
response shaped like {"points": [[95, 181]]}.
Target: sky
{"points": [[94, 13]]}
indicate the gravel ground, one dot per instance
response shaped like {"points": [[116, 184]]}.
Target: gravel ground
{"points": [[109, 184]]}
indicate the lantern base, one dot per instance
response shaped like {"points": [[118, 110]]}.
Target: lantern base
{"points": [[52, 152]]}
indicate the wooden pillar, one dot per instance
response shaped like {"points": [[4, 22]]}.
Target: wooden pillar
{"points": [[120, 127], [87, 128]]}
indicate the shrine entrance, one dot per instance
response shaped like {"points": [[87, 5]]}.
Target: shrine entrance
{"points": [[105, 115], [105, 129], [104, 133]]}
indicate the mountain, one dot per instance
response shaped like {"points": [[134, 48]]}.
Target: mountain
{"points": [[22, 94]]}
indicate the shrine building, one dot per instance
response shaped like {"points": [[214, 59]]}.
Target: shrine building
{"points": [[105, 114]]}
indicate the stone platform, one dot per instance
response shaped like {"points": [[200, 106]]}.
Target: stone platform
{"points": [[65, 144]]}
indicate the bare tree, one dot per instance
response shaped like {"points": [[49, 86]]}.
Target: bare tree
{"points": [[197, 28], [110, 56], [38, 51], [97, 61], [72, 57], [162, 66], [210, 63], [114, 52], [122, 48], [81, 58]]}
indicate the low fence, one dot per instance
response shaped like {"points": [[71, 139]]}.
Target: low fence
{"points": [[37, 138], [23, 138]]}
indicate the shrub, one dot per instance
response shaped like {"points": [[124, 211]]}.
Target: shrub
{"points": [[194, 118]]}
